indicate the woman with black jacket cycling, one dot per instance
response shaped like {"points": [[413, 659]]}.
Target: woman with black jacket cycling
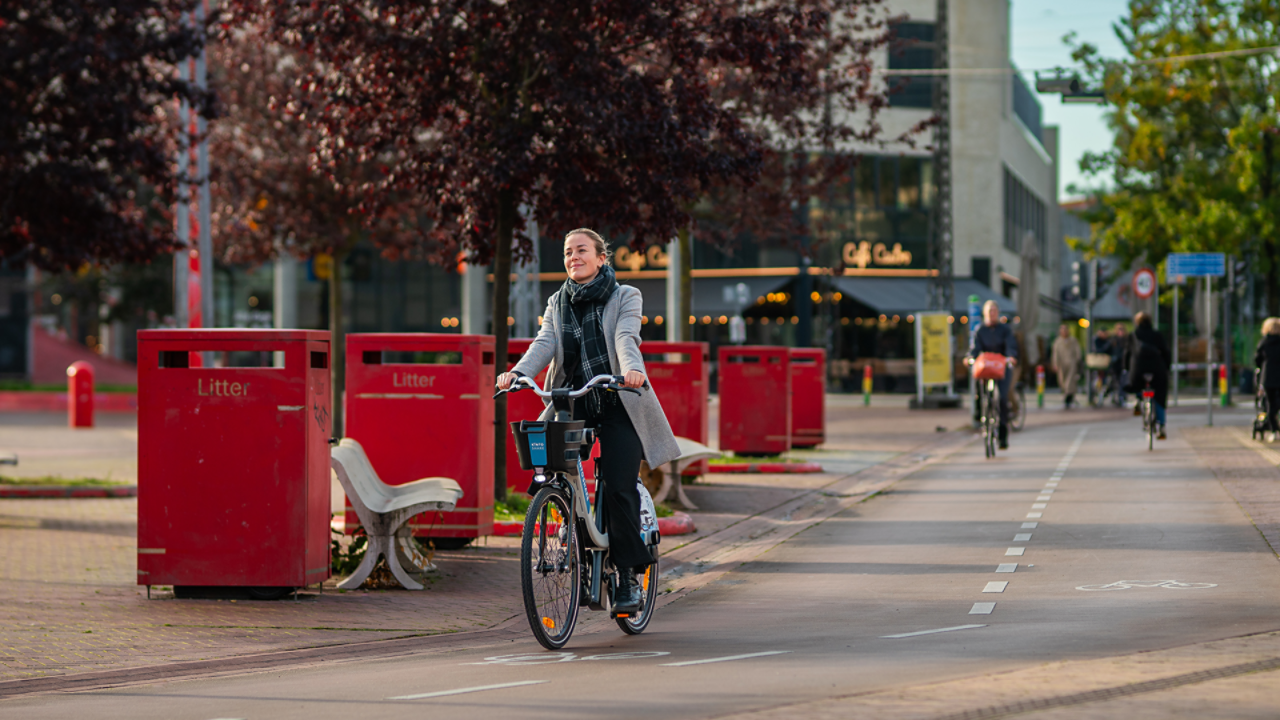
{"points": [[1148, 354], [1267, 359]]}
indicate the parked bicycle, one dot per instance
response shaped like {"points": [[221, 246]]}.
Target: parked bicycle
{"points": [[564, 549]]}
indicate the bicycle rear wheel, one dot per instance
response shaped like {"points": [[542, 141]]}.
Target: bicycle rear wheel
{"points": [[551, 568], [1149, 417], [637, 622]]}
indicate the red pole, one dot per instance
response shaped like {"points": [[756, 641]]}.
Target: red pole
{"points": [[80, 395]]}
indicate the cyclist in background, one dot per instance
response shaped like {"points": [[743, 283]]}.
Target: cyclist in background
{"points": [[1267, 359], [994, 336], [1148, 354]]}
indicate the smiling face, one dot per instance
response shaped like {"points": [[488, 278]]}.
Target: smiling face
{"points": [[581, 260]]}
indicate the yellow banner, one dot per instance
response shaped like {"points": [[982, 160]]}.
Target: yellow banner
{"points": [[935, 349]]}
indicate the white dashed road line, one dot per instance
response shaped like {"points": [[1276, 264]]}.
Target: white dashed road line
{"points": [[1022, 537], [982, 608], [726, 659], [463, 691], [1014, 551], [996, 586], [931, 632]]}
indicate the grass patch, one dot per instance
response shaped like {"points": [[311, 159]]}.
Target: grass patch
{"points": [[513, 508], [61, 481], [737, 459]]}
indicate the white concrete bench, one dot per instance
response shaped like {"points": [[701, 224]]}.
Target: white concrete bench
{"points": [[384, 509], [691, 451]]}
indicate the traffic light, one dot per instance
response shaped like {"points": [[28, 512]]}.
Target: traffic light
{"points": [[1079, 280], [1095, 278]]}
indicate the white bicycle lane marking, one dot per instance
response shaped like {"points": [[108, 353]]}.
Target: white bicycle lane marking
{"points": [[562, 657], [1168, 584]]}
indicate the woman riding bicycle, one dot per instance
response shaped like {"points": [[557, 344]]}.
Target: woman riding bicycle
{"points": [[993, 336], [1267, 360], [1148, 354], [592, 327]]}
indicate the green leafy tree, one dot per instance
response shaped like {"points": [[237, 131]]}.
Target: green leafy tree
{"points": [[1195, 163]]}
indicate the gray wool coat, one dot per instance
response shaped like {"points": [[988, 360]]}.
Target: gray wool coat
{"points": [[622, 336]]}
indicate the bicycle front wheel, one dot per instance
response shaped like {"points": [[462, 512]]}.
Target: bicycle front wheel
{"points": [[990, 419], [551, 568], [637, 622]]}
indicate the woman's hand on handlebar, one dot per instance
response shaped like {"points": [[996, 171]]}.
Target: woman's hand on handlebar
{"points": [[633, 379], [506, 379]]}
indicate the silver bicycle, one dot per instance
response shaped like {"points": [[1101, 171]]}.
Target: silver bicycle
{"points": [[564, 550]]}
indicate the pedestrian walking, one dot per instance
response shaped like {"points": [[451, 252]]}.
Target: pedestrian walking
{"points": [[1148, 354], [1267, 360], [1066, 363], [1119, 341]]}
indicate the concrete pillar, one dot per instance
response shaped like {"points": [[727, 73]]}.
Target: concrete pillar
{"points": [[475, 297], [284, 298], [672, 320]]}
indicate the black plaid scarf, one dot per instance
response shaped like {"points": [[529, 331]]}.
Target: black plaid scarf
{"points": [[593, 353]]}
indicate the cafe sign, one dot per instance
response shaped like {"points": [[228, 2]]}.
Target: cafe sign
{"points": [[862, 254], [653, 257]]}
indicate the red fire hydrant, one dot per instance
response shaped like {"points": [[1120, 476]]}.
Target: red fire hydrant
{"points": [[80, 395]]}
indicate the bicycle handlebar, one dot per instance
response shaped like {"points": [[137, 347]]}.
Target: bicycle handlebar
{"points": [[612, 383]]}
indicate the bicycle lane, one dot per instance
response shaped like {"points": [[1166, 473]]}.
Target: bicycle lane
{"points": [[913, 560]]}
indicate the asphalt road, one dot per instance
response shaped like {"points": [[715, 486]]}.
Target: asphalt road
{"points": [[1076, 545]]}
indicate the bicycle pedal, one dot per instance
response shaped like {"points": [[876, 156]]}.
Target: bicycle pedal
{"points": [[622, 615]]}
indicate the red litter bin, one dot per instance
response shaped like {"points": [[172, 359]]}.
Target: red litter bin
{"points": [[80, 395], [808, 391], [680, 373], [524, 405], [233, 462], [421, 406], [755, 400]]}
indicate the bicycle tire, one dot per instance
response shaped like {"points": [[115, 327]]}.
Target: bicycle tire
{"points": [[1150, 419], [992, 417], [1019, 419], [550, 589], [636, 624]]}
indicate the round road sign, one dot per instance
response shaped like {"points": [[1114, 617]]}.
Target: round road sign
{"points": [[1144, 283]]}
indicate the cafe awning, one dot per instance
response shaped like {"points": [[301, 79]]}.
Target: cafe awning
{"points": [[903, 296]]}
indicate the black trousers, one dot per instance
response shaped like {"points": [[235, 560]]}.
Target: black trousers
{"points": [[1273, 407], [617, 471]]}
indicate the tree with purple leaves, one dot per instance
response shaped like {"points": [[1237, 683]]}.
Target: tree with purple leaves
{"points": [[87, 170], [616, 115]]}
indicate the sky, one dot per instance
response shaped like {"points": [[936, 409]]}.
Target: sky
{"points": [[1037, 27]]}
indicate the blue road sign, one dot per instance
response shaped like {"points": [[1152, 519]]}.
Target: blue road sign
{"points": [[1196, 264]]}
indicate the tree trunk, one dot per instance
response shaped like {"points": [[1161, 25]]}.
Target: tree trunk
{"points": [[507, 214], [337, 343], [686, 284]]}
